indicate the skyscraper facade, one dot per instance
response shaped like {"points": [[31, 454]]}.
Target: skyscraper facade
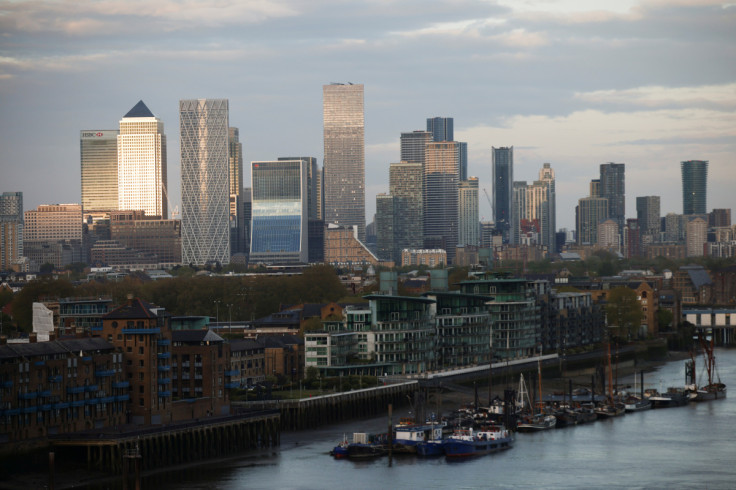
{"points": [[544, 200], [469, 229], [205, 186], [385, 227], [441, 176], [589, 213], [406, 185], [503, 179], [235, 153], [344, 155], [613, 188], [694, 186], [696, 232], [142, 162], [520, 223], [11, 228], [441, 128], [98, 151], [413, 146], [647, 215], [280, 211]]}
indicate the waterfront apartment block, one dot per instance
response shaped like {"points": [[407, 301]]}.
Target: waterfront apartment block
{"points": [[60, 386]]}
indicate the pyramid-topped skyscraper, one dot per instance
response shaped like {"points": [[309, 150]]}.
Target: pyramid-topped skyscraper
{"points": [[142, 162]]}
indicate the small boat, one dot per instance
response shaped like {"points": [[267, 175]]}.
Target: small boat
{"points": [[610, 410], [714, 390], [534, 423], [341, 450], [407, 435], [673, 397], [635, 403], [468, 442], [365, 446]]}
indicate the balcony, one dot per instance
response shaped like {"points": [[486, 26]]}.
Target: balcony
{"points": [[45, 393], [90, 388], [56, 379], [232, 372], [39, 363], [232, 385], [7, 384], [164, 355], [122, 398], [104, 373], [164, 394], [61, 405], [162, 369], [46, 407], [75, 389], [92, 401], [107, 399], [77, 403], [164, 381], [163, 342], [121, 384], [31, 395], [141, 331], [29, 409]]}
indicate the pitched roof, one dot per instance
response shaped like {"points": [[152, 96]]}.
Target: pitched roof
{"points": [[139, 110], [195, 336], [245, 345], [33, 349], [134, 308]]}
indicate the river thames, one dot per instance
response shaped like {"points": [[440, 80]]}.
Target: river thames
{"points": [[685, 447]]}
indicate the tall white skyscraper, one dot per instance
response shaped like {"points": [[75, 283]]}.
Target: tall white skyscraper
{"points": [[205, 183], [344, 147], [142, 162]]}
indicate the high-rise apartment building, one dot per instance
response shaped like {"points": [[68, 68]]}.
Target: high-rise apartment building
{"points": [[386, 227], [235, 152], [406, 185], [280, 208], [441, 128], [613, 188], [647, 215], [534, 208], [462, 149], [589, 213], [696, 232], [441, 174], [142, 162], [520, 223], [503, 180], [608, 235], [98, 151], [719, 218], [11, 228], [694, 186], [205, 186], [468, 219], [413, 146], [344, 155]]}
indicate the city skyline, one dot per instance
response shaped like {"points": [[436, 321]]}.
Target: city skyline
{"points": [[532, 79]]}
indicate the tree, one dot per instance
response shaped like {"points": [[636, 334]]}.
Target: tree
{"points": [[664, 319], [623, 311], [46, 268]]}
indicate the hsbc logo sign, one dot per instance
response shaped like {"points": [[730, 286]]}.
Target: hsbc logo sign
{"points": [[98, 134]]}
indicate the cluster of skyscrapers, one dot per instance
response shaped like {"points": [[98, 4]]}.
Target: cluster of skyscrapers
{"points": [[286, 216]]}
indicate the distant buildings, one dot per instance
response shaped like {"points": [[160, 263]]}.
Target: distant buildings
{"points": [[648, 216], [406, 184], [142, 162], [589, 212], [52, 233], [205, 188], [344, 155], [694, 186]]}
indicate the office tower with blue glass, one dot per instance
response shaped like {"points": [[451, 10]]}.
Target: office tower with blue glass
{"points": [[441, 128], [613, 188], [280, 212], [694, 186]]}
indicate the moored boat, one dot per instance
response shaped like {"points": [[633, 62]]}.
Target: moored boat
{"points": [[673, 397], [469, 442], [715, 389], [635, 403]]}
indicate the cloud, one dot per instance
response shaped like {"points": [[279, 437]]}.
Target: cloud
{"points": [[717, 97]]}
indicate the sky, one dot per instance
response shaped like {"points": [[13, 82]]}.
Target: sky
{"points": [[648, 83]]}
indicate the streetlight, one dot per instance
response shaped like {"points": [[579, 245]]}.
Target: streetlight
{"points": [[217, 310]]}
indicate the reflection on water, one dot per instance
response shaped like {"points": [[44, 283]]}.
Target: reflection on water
{"points": [[684, 447]]}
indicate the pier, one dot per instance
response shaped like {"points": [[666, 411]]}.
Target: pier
{"points": [[156, 447]]}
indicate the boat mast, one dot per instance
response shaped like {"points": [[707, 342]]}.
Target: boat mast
{"points": [[610, 376], [539, 374]]}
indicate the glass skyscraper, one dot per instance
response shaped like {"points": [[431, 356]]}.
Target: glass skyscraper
{"points": [[441, 128], [413, 146], [406, 184], [613, 188], [280, 211], [694, 186], [98, 151], [441, 180], [142, 163], [205, 186], [503, 180], [647, 214], [469, 232], [344, 153]]}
